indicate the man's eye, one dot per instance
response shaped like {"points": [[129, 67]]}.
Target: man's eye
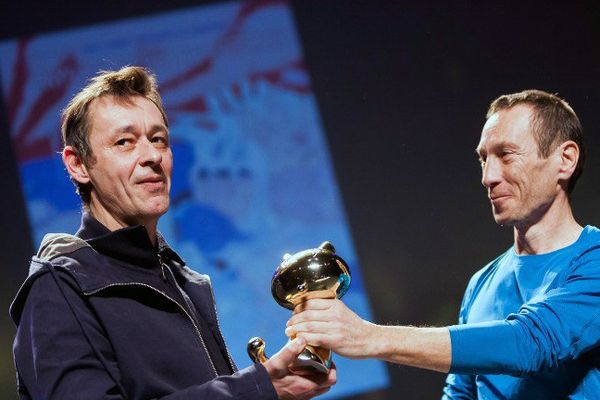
{"points": [[123, 142], [160, 139]]}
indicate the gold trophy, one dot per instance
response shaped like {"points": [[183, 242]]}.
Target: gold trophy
{"points": [[310, 274]]}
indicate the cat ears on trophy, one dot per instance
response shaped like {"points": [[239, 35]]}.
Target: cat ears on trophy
{"points": [[326, 245]]}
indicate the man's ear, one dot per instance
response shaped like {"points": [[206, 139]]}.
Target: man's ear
{"points": [[75, 166], [569, 155]]}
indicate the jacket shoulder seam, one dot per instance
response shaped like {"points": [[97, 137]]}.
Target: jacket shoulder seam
{"points": [[58, 244]]}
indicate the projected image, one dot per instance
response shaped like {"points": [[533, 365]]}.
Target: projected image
{"points": [[252, 175]]}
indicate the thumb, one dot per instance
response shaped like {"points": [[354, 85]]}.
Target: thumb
{"points": [[287, 354]]}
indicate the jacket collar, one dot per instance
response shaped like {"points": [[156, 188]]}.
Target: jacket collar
{"points": [[131, 244]]}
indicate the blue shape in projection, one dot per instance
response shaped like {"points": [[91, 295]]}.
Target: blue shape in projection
{"points": [[48, 179], [208, 228], [182, 159]]}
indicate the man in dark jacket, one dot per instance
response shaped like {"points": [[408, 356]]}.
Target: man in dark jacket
{"points": [[113, 312]]}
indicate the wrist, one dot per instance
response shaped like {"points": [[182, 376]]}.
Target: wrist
{"points": [[427, 348], [375, 345], [391, 343]]}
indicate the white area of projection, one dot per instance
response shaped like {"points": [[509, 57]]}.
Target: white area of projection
{"points": [[252, 176]]}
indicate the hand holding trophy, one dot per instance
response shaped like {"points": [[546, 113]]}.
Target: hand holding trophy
{"points": [[310, 274]]}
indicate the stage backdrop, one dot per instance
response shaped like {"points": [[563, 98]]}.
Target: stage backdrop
{"points": [[252, 173]]}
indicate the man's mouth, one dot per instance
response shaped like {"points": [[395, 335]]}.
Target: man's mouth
{"points": [[152, 179], [498, 199], [152, 183]]}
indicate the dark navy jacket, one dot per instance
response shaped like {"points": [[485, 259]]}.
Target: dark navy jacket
{"points": [[100, 317]]}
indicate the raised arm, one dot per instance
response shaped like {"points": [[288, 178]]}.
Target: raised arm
{"points": [[556, 326]]}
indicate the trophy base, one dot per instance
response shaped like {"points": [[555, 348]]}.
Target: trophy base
{"points": [[312, 360]]}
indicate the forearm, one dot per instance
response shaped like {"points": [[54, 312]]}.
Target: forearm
{"points": [[427, 348], [330, 324]]}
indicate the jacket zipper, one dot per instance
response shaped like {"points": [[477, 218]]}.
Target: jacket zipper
{"points": [[162, 267], [189, 303], [231, 364], [184, 295], [173, 301]]}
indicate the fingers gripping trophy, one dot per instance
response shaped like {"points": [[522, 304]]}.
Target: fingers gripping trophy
{"points": [[310, 274]]}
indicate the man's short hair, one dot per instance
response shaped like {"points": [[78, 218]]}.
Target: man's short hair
{"points": [[553, 123], [124, 83]]}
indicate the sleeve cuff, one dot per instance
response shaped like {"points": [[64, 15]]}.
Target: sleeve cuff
{"points": [[262, 381], [484, 348]]}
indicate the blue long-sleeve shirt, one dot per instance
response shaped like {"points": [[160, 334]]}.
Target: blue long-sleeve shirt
{"points": [[529, 327]]}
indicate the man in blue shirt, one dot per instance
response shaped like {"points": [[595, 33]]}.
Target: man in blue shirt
{"points": [[530, 320]]}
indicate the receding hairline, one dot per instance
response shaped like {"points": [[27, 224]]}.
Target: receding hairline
{"points": [[494, 118], [124, 101], [533, 97]]}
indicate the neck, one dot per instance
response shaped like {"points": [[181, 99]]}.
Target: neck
{"points": [[555, 229], [114, 223]]}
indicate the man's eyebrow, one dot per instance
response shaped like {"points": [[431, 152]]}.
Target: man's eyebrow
{"points": [[505, 145], [496, 146], [125, 129], [132, 129], [158, 128]]}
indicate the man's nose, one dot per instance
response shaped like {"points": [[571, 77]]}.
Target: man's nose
{"points": [[149, 154], [491, 172]]}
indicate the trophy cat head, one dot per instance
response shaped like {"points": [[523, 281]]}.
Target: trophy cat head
{"points": [[310, 274]]}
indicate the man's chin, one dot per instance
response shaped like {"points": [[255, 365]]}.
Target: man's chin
{"points": [[160, 211], [156, 208], [503, 219]]}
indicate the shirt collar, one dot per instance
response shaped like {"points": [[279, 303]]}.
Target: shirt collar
{"points": [[130, 244]]}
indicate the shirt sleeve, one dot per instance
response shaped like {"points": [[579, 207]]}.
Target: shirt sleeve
{"points": [[559, 325], [460, 387], [57, 359]]}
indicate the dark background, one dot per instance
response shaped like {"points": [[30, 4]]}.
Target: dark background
{"points": [[402, 89]]}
